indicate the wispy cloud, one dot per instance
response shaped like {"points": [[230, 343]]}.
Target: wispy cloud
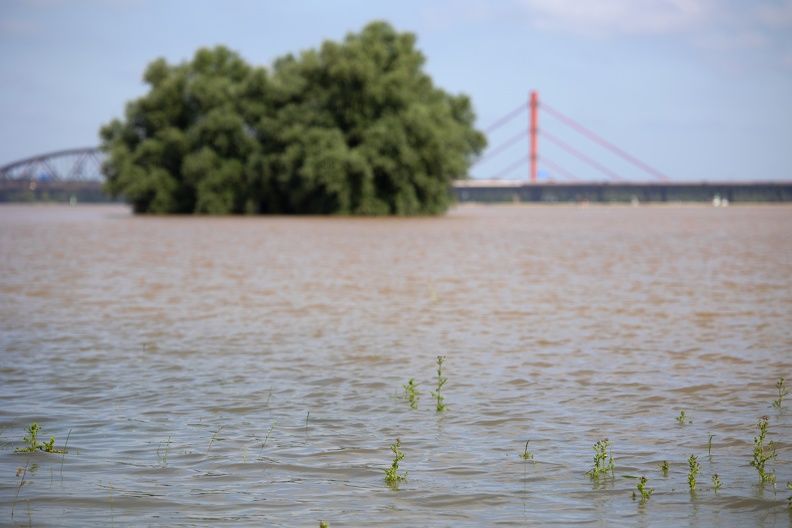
{"points": [[735, 36], [48, 4], [605, 18], [18, 27], [732, 42], [446, 14], [786, 61], [43, 3], [775, 14]]}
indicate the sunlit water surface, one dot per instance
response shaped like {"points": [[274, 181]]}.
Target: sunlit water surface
{"points": [[167, 349]]}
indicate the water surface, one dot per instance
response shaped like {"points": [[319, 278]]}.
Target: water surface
{"points": [[166, 349]]}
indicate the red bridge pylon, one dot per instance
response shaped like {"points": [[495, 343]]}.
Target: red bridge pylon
{"points": [[534, 159]]}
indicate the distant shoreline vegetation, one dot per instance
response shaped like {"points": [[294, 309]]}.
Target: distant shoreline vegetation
{"points": [[355, 127]]}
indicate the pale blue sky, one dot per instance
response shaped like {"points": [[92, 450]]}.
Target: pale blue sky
{"points": [[697, 89]]}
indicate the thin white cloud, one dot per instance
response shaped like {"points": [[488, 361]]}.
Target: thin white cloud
{"points": [[49, 4], [17, 27], [604, 18], [776, 14], [44, 4], [786, 61], [736, 36], [731, 42], [444, 15]]}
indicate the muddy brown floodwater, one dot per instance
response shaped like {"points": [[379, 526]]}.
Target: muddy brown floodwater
{"points": [[249, 371]]}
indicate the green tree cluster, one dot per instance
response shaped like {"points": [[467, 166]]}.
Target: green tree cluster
{"points": [[355, 127]]}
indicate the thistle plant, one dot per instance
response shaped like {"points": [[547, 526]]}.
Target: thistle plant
{"points": [[411, 390], [642, 489], [716, 482], [695, 467], [34, 444], [681, 418], [440, 382], [601, 454], [782, 391], [391, 474], [762, 453], [527, 455], [23, 472]]}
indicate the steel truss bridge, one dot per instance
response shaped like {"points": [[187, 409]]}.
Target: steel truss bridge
{"points": [[71, 170]]}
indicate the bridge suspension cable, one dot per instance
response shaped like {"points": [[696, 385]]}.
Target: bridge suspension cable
{"points": [[503, 146], [505, 119], [579, 155], [558, 169], [610, 146], [511, 168]]}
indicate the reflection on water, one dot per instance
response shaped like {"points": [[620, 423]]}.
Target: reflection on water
{"points": [[170, 347]]}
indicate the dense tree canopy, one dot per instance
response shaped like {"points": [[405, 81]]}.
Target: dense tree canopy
{"points": [[353, 128]]}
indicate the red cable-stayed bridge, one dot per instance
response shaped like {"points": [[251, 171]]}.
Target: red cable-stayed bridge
{"points": [[556, 182]]}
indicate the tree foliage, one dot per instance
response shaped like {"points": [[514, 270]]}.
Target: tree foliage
{"points": [[355, 127]]}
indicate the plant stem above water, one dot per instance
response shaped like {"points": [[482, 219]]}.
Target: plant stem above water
{"points": [[440, 382]]}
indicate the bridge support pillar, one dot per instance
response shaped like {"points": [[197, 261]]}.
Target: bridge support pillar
{"points": [[534, 128]]}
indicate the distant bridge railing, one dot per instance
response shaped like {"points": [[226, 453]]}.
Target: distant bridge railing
{"points": [[721, 192]]}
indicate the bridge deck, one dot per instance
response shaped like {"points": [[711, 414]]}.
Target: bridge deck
{"points": [[485, 191], [520, 191]]}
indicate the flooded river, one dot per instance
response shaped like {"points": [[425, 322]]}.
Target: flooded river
{"points": [[250, 371]]}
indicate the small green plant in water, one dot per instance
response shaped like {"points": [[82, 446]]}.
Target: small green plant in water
{"points": [[63, 454], [716, 482], [527, 455], [392, 473], [709, 445], [164, 459], [323, 524], [664, 466], [269, 432], [782, 391], [695, 467], [762, 454], [789, 499], [440, 382], [32, 439], [433, 293], [34, 444], [411, 389], [214, 437], [643, 490], [681, 419], [601, 454]]}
